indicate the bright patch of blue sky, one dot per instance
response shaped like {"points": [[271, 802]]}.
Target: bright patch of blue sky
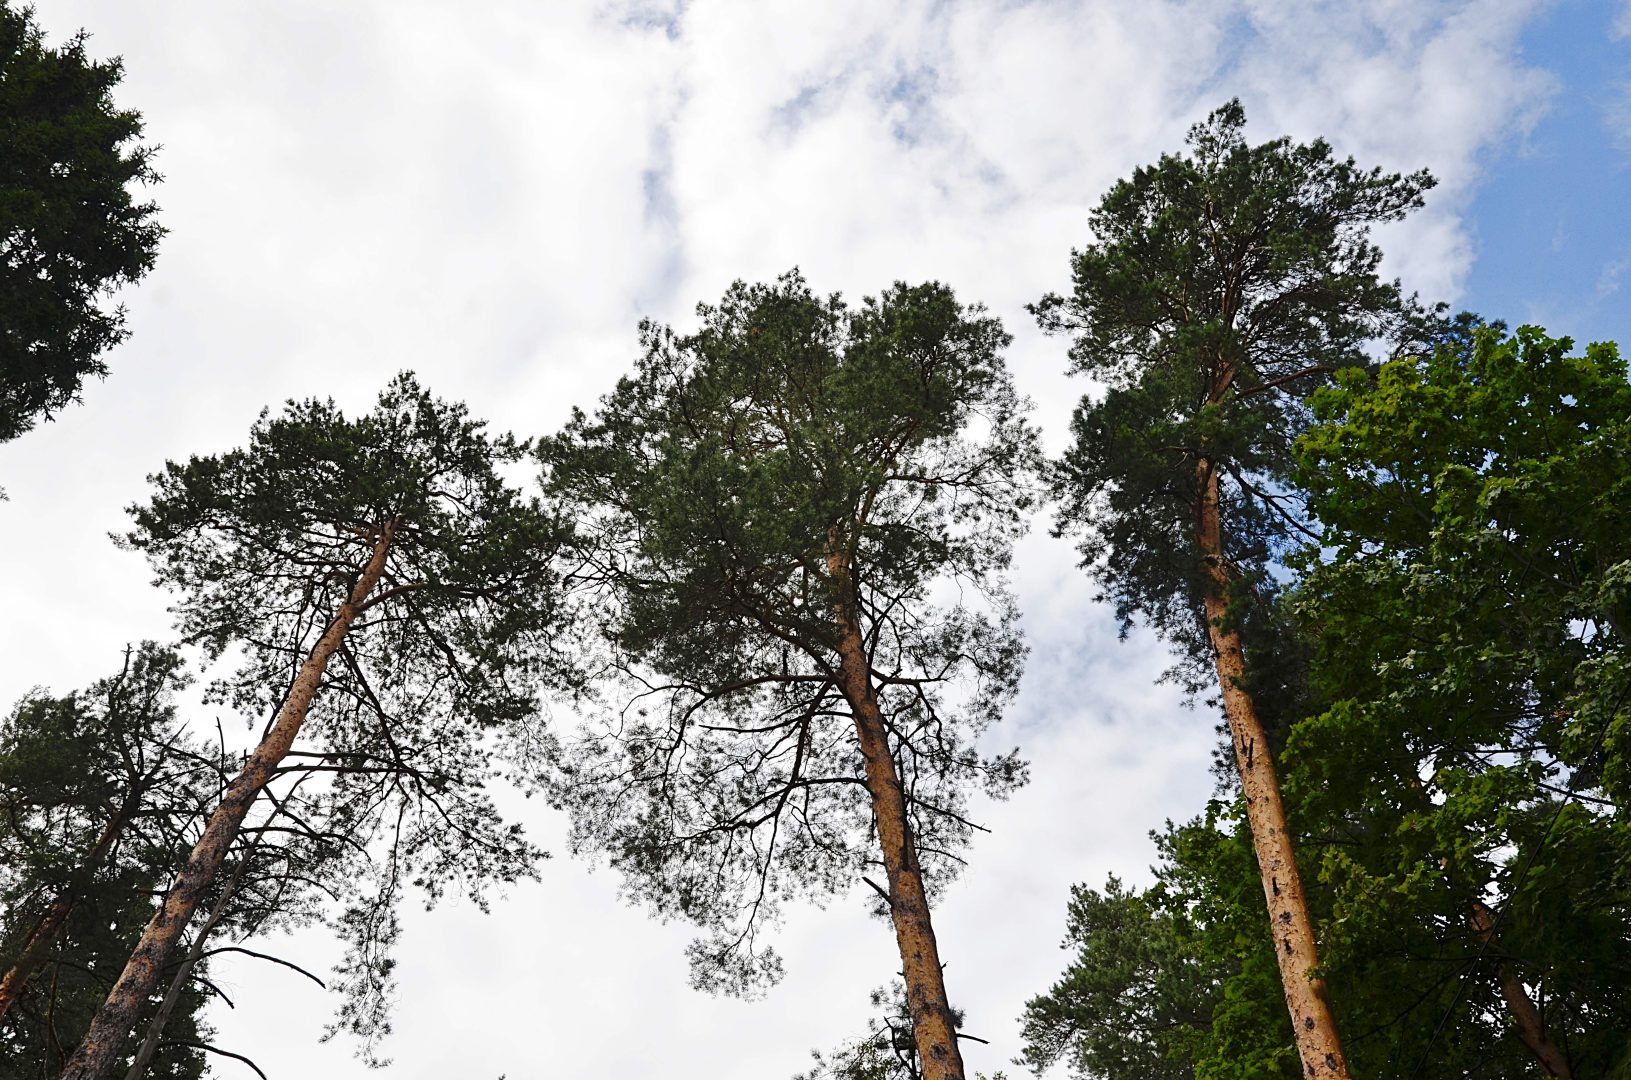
{"points": [[1552, 219]]}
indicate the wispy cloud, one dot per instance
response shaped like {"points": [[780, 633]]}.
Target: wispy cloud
{"points": [[1608, 281]]}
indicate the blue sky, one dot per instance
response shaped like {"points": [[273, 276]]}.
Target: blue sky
{"points": [[1552, 219]]}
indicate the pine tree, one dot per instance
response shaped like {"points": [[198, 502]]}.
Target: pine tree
{"points": [[392, 599], [1221, 289], [783, 509]]}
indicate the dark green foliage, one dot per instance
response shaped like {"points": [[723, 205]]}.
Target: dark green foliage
{"points": [[452, 652], [71, 768], [715, 485], [1175, 981], [1124, 1008], [1221, 288], [1472, 656], [70, 232]]}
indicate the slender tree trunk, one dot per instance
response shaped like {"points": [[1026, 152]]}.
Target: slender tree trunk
{"points": [[1526, 1018], [51, 924], [1293, 930], [117, 1016], [932, 1029]]}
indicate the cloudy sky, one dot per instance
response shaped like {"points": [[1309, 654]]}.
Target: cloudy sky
{"points": [[494, 197]]}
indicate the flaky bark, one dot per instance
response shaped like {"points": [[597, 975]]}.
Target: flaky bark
{"points": [[932, 1027], [1526, 1019], [1294, 948], [118, 1015], [51, 924], [184, 970]]}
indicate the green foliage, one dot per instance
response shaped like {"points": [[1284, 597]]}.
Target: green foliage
{"points": [[72, 769], [718, 486], [886, 1052], [1470, 613], [70, 232], [451, 653], [1446, 746], [1178, 980], [1221, 288]]}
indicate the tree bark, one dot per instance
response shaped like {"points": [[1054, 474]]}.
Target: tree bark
{"points": [[51, 924], [1318, 1044], [932, 1028], [117, 1017], [1526, 1018], [178, 983]]}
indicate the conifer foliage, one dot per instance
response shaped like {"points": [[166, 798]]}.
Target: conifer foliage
{"points": [[389, 599], [99, 791], [71, 228], [798, 519], [1221, 288]]}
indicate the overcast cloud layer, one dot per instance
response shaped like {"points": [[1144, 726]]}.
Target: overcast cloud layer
{"points": [[493, 198]]}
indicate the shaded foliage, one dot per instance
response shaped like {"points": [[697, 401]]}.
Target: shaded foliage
{"points": [[99, 792], [70, 230]]}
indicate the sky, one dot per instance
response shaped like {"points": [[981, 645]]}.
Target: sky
{"points": [[494, 198]]}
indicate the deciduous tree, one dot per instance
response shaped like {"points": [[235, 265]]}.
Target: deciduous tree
{"points": [[1471, 601]]}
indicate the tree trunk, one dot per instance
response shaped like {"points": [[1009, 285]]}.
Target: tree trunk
{"points": [[932, 1029], [1526, 1018], [49, 926], [117, 1016], [178, 983], [1317, 1041]]}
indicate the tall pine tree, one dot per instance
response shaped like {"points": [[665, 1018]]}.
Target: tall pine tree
{"points": [[799, 518], [1221, 288]]}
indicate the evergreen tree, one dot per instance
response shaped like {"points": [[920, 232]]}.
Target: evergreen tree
{"points": [[1222, 287], [98, 791], [70, 230], [800, 516], [390, 597]]}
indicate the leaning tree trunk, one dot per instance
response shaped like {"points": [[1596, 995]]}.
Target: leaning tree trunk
{"points": [[932, 1027], [51, 924], [1293, 930], [178, 982], [117, 1017]]}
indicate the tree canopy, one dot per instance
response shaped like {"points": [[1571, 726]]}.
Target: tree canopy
{"points": [[387, 594], [1470, 608], [71, 229], [784, 508]]}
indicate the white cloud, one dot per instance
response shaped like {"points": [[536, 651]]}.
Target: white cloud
{"points": [[493, 199], [1617, 116]]}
